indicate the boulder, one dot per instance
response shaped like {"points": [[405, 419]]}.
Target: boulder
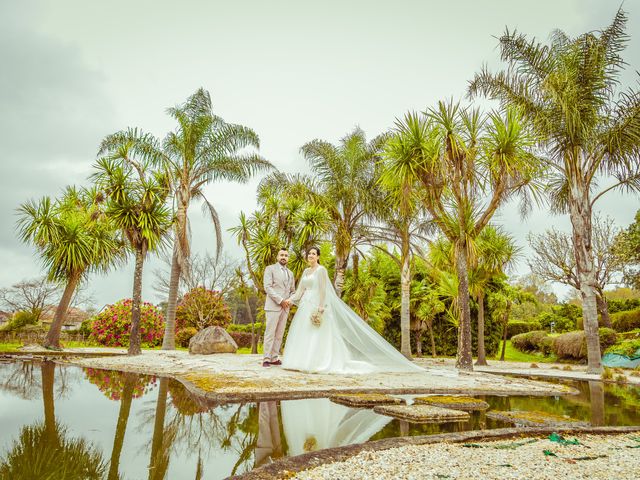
{"points": [[212, 340]]}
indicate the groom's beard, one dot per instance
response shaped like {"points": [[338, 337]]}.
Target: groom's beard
{"points": [[283, 263]]}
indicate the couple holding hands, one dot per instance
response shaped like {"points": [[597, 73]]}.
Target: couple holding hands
{"points": [[325, 336]]}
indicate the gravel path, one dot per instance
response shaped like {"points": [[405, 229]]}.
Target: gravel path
{"points": [[455, 461]]}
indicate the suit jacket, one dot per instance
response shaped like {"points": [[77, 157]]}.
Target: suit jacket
{"points": [[279, 285]]}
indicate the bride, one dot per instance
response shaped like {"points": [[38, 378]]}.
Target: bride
{"points": [[326, 336]]}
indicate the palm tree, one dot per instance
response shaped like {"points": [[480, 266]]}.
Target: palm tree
{"points": [[404, 218], [344, 183], [74, 239], [567, 90], [137, 207], [121, 427], [496, 251], [461, 159], [201, 150]]}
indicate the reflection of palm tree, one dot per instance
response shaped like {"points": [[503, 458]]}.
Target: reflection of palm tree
{"points": [[162, 437], [44, 452], [596, 396], [123, 418]]}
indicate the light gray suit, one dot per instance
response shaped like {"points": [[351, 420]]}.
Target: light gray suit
{"points": [[279, 285]]}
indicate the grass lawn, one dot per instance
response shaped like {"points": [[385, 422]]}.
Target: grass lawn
{"points": [[511, 354], [247, 350]]}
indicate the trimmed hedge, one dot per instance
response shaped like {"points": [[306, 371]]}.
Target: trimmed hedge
{"points": [[530, 341], [243, 339], [244, 327], [573, 345], [626, 321], [516, 328]]}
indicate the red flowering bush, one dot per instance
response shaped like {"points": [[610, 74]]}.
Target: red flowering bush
{"points": [[201, 308], [112, 325], [111, 382]]}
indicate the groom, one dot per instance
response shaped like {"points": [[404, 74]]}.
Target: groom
{"points": [[279, 285]]}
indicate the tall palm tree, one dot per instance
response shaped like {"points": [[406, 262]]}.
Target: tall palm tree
{"points": [[344, 183], [468, 166], [73, 238], [137, 207], [496, 251], [567, 90], [404, 221], [202, 149]]}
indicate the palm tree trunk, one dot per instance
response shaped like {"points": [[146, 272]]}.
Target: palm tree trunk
{"points": [[433, 340], [580, 214], [121, 427], [254, 343], [405, 320], [169, 340], [342, 259], [464, 359], [482, 360], [419, 342], [157, 448], [603, 309], [134, 335], [52, 339], [48, 369], [505, 321]]}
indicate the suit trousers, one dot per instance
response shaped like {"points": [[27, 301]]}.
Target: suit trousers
{"points": [[273, 333]]}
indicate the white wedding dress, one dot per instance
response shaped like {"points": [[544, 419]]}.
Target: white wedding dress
{"points": [[343, 342]]}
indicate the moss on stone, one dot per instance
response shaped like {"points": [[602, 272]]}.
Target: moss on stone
{"points": [[422, 413], [366, 399], [209, 382], [453, 401]]}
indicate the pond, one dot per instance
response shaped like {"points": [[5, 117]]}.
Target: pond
{"points": [[86, 423]]}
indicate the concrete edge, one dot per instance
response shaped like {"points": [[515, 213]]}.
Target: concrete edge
{"points": [[285, 467]]}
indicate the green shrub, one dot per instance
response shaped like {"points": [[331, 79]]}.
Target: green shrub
{"points": [[552, 321], [623, 305], [22, 319], [245, 327], [85, 327], [530, 341], [626, 321], [625, 347], [516, 328], [573, 345], [184, 335]]}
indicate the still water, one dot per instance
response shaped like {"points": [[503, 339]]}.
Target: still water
{"points": [[97, 424]]}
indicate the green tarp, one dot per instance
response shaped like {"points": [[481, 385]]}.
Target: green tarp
{"points": [[617, 360]]}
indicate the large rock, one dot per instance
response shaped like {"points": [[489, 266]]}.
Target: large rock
{"points": [[212, 340]]}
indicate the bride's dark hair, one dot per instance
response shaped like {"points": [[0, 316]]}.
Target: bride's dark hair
{"points": [[317, 253]]}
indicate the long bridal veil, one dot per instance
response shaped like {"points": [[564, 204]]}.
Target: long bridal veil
{"points": [[363, 343]]}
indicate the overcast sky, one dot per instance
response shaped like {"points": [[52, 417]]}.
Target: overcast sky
{"points": [[74, 71]]}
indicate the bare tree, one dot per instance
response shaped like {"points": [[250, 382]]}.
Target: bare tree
{"points": [[554, 260], [30, 295], [201, 271]]}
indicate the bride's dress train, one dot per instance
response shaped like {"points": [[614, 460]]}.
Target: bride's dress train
{"points": [[343, 342]]}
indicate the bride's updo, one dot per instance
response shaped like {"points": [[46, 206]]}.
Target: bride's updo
{"points": [[317, 253]]}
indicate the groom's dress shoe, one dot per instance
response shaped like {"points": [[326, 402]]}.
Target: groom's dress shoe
{"points": [[277, 362], [266, 364]]}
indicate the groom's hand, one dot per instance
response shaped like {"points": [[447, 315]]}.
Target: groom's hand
{"points": [[285, 304]]}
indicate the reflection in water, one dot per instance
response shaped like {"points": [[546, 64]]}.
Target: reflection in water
{"points": [[43, 450], [596, 397], [269, 444], [319, 423], [155, 428]]}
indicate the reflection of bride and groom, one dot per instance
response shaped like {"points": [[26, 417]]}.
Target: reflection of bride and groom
{"points": [[326, 336], [310, 425]]}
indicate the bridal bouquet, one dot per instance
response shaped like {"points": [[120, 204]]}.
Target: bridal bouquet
{"points": [[316, 318]]}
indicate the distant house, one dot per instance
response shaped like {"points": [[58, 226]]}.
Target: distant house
{"points": [[72, 320]]}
